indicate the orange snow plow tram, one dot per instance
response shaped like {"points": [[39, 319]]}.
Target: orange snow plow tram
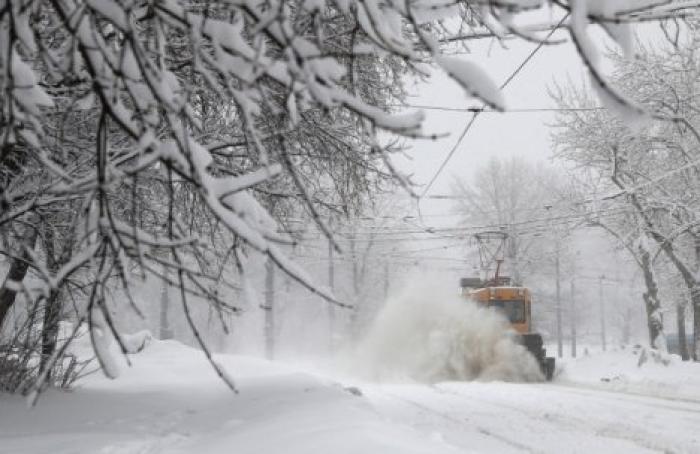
{"points": [[514, 302]]}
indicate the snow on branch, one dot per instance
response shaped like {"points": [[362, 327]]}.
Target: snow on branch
{"points": [[146, 138]]}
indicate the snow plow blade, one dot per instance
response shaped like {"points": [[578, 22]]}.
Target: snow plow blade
{"points": [[533, 343]]}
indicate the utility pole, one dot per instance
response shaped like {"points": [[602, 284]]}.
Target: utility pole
{"points": [[513, 253], [354, 315], [269, 309], [355, 268], [331, 286], [573, 319], [560, 344], [386, 280], [602, 310], [695, 353], [166, 331]]}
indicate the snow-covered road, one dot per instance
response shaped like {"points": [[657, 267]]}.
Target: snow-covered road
{"points": [[171, 402], [542, 418]]}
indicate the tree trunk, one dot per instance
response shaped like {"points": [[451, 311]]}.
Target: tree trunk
{"points": [[685, 272], [52, 305], [165, 330], [651, 302], [654, 315], [18, 270], [680, 320], [49, 330]]}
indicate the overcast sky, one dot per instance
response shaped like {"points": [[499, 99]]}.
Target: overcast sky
{"points": [[496, 134], [493, 134]]}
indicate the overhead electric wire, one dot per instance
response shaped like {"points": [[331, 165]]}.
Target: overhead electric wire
{"points": [[478, 109], [556, 220], [540, 208], [536, 230], [322, 259], [536, 227], [476, 114]]}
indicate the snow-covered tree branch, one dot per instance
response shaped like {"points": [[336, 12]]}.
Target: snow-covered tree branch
{"points": [[166, 138]]}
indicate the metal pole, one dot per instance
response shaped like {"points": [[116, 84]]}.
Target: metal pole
{"points": [[355, 313], [695, 353], [602, 310], [560, 344], [270, 309], [331, 285], [386, 280], [573, 319]]}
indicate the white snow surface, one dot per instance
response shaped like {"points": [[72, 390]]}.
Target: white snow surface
{"points": [[619, 370], [170, 401]]}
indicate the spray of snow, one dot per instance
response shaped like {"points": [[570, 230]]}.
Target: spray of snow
{"points": [[428, 334]]}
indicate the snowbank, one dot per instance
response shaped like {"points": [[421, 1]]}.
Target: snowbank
{"points": [[618, 370], [171, 401]]}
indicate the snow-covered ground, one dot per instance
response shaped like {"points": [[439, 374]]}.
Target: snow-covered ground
{"points": [[170, 401], [620, 370]]}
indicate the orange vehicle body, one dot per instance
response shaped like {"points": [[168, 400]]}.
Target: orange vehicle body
{"points": [[491, 296]]}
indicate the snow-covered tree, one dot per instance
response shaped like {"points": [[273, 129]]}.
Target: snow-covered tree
{"points": [[648, 169], [161, 137], [522, 199]]}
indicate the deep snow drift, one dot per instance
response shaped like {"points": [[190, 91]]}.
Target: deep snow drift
{"points": [[427, 333]]}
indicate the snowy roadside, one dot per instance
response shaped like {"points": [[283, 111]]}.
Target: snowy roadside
{"points": [[171, 401], [619, 370], [601, 402]]}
